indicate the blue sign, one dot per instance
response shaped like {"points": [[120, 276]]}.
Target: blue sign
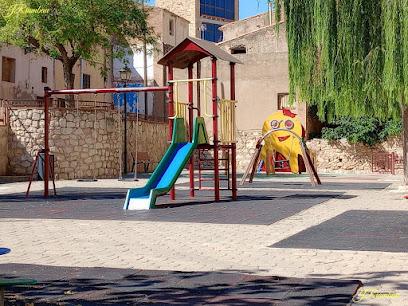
{"points": [[132, 98]]}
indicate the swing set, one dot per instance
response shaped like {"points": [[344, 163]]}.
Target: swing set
{"points": [[48, 93], [253, 164]]}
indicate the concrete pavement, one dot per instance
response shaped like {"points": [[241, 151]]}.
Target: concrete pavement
{"points": [[87, 228]]}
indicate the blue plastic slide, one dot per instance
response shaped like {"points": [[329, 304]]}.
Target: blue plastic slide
{"points": [[170, 167]]}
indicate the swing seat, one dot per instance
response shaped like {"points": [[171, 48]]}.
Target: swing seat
{"points": [[280, 164]]}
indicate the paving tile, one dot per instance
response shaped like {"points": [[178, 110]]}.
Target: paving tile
{"points": [[376, 236]]}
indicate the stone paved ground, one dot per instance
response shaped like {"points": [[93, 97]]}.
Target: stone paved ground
{"points": [[86, 230]]}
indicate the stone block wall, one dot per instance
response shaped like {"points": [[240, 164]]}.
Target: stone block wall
{"points": [[331, 157], [82, 147], [152, 137], [344, 157], [246, 142], [3, 150]]}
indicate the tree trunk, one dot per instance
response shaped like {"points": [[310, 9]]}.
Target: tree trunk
{"points": [[69, 78], [404, 112]]}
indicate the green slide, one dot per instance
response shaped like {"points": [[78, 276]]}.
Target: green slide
{"points": [[170, 167]]}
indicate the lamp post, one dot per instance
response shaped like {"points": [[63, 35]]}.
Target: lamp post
{"points": [[125, 77]]}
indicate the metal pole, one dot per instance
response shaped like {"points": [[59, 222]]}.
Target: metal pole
{"points": [[106, 90], [215, 129], [145, 66], [171, 114], [393, 163], [125, 134], [171, 99], [233, 145], [46, 140], [199, 87], [136, 143], [190, 126]]}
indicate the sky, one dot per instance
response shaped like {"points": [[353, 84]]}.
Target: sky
{"points": [[247, 8]]}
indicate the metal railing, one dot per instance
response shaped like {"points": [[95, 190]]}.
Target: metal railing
{"points": [[6, 104], [385, 162], [57, 103]]}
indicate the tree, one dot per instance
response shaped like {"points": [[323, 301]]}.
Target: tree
{"points": [[68, 30], [350, 57]]}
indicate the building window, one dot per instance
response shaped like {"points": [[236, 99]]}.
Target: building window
{"points": [[8, 69], [212, 32], [171, 27], [218, 8], [86, 81], [44, 74], [283, 101], [238, 50]]}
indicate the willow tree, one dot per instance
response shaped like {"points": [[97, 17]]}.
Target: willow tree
{"points": [[68, 30], [349, 57]]}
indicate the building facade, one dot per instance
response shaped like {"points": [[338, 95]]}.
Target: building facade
{"points": [[205, 16], [24, 74], [263, 80], [214, 14]]}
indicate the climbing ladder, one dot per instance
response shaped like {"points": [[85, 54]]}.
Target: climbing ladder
{"points": [[205, 170]]}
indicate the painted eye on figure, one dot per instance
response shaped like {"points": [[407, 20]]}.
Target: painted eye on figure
{"points": [[289, 124], [275, 124]]}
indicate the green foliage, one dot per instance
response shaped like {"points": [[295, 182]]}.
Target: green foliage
{"points": [[350, 58], [367, 130], [71, 29]]}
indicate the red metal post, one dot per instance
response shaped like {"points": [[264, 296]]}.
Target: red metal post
{"points": [[171, 98], [198, 88], [393, 163], [171, 114], [215, 129], [190, 126], [46, 140], [233, 145]]}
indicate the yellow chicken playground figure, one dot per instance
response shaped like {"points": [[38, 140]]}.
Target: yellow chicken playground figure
{"points": [[282, 146]]}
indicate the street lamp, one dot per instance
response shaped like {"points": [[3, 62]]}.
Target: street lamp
{"points": [[203, 28], [125, 77]]}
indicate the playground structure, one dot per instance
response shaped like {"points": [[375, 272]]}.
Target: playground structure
{"points": [[281, 133], [185, 55], [185, 141], [282, 151]]}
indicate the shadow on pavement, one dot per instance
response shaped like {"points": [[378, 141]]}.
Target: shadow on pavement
{"points": [[105, 286], [253, 207], [357, 230]]}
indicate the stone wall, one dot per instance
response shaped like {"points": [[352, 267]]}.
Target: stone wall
{"points": [[246, 142], [82, 147], [331, 157], [245, 26], [344, 157], [3, 150], [152, 138]]}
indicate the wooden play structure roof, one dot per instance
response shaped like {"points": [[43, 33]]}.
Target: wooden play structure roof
{"points": [[191, 50]]}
